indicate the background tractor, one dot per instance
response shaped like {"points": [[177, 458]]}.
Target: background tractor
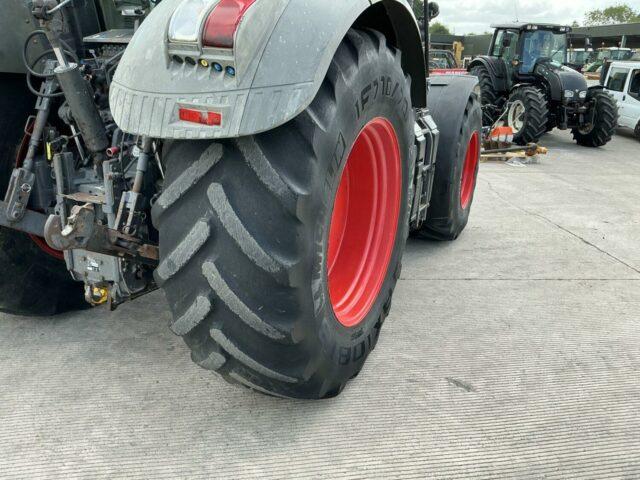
{"points": [[260, 161], [525, 85], [604, 54], [577, 58], [442, 62]]}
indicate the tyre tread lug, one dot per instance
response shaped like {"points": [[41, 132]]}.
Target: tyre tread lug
{"points": [[228, 346], [241, 236], [236, 305], [175, 260]]}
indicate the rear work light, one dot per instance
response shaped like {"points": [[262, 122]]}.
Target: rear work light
{"points": [[203, 117], [187, 20], [222, 23]]}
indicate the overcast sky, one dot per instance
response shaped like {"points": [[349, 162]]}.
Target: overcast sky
{"points": [[475, 16]]}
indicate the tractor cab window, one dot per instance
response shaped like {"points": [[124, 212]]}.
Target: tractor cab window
{"points": [[579, 57], [615, 54], [442, 60], [506, 44], [604, 55], [576, 57], [621, 54], [543, 44]]}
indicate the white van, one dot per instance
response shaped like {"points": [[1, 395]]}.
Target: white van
{"points": [[623, 82]]}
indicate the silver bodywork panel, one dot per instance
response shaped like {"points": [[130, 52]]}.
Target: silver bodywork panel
{"points": [[15, 24], [283, 49]]}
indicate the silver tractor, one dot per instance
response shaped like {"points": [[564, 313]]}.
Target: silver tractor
{"points": [[261, 161]]}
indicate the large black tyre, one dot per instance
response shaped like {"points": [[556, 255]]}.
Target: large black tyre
{"points": [[551, 123], [31, 281], [457, 167], [244, 228], [636, 132], [488, 95], [605, 121], [533, 117]]}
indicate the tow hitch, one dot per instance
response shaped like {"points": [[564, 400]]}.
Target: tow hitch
{"points": [[81, 232]]}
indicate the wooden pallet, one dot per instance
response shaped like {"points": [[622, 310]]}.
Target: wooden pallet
{"points": [[505, 157]]}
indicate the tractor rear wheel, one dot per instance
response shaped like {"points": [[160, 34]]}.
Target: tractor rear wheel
{"points": [[32, 282], [527, 114], [280, 252], [456, 174], [604, 124], [488, 95]]}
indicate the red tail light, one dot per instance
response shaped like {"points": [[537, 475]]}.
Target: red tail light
{"points": [[200, 116], [223, 22]]}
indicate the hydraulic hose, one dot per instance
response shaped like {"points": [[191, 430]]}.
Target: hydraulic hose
{"points": [[30, 66]]}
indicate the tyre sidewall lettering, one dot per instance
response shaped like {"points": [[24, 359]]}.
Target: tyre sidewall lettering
{"points": [[377, 95]]}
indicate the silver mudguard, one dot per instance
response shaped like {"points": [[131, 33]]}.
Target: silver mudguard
{"points": [[283, 49]]}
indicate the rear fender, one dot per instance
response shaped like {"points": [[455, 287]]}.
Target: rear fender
{"points": [[497, 71], [448, 98], [283, 49], [517, 86]]}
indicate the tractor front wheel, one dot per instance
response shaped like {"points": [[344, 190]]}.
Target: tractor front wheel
{"points": [[488, 95], [280, 252], [605, 121], [527, 114]]}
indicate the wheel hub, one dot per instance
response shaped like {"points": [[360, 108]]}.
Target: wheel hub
{"points": [[515, 117], [364, 222]]}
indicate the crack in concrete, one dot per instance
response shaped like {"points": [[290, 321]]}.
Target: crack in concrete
{"points": [[560, 227], [467, 387]]}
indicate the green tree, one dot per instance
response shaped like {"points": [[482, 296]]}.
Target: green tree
{"points": [[620, 13], [418, 9], [437, 28]]}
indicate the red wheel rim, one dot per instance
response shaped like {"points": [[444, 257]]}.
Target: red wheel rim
{"points": [[364, 222], [42, 245], [468, 179]]}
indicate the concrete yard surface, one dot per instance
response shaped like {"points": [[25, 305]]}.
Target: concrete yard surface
{"points": [[513, 352]]}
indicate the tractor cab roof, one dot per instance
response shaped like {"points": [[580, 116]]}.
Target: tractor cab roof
{"points": [[533, 26]]}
